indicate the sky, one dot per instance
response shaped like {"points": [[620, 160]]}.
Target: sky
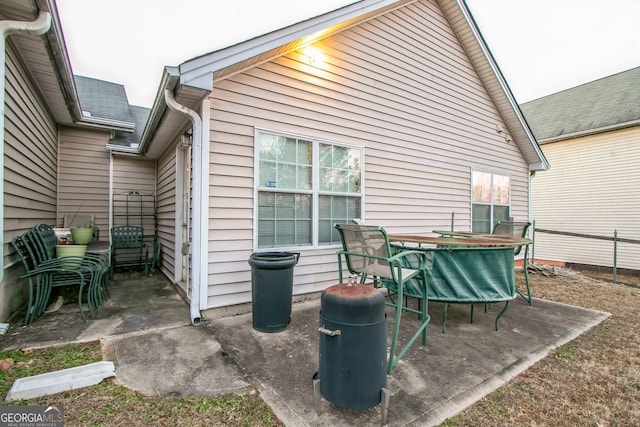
{"points": [[541, 46]]}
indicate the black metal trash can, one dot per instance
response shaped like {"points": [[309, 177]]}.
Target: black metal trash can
{"points": [[353, 346], [272, 289]]}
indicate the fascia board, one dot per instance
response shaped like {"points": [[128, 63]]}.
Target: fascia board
{"points": [[58, 49], [169, 79], [588, 132], [196, 72], [498, 88], [107, 124]]}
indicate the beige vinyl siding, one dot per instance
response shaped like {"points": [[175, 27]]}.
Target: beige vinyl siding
{"points": [[132, 175], [593, 187], [166, 205], [29, 175], [400, 86], [83, 172], [30, 154]]}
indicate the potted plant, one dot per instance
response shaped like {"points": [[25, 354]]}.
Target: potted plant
{"points": [[81, 235], [74, 251], [82, 229]]}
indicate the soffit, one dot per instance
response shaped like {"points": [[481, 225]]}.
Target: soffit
{"points": [[45, 58], [168, 125]]}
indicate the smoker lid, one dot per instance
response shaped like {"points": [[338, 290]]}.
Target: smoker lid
{"points": [[353, 304]]}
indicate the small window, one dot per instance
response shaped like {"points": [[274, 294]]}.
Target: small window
{"points": [[304, 187], [491, 200]]}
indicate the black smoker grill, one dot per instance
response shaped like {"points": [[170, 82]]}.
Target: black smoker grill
{"points": [[352, 370]]}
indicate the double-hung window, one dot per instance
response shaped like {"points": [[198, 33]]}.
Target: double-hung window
{"points": [[490, 200], [304, 187]]}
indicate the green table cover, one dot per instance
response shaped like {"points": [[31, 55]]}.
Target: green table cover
{"points": [[463, 275]]}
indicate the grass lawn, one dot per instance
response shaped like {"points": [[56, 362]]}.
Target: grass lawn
{"points": [[109, 404]]}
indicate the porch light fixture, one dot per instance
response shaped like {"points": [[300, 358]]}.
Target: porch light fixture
{"points": [[312, 55], [186, 139]]}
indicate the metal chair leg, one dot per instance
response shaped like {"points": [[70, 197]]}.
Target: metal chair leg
{"points": [[525, 264]]}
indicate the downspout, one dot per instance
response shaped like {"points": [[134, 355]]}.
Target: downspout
{"points": [[197, 255], [38, 27]]}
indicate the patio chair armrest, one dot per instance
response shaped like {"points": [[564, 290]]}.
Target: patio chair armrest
{"points": [[422, 257], [81, 263], [102, 259], [52, 269]]}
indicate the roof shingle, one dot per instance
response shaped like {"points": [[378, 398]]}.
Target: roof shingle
{"points": [[102, 99], [606, 102]]}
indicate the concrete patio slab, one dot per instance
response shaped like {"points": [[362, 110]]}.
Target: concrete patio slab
{"points": [[145, 330], [429, 384]]}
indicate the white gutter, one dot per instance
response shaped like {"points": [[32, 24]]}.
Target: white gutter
{"points": [[198, 260], [38, 27]]}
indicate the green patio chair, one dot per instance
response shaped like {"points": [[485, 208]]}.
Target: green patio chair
{"points": [[43, 271], [47, 241], [128, 248], [367, 254], [517, 229]]}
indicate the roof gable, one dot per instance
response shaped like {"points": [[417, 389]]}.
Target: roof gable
{"points": [[201, 73], [241, 56], [604, 104]]}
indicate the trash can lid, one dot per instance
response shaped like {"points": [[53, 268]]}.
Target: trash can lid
{"points": [[273, 260]]}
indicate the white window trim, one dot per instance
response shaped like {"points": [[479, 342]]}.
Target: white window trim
{"points": [[315, 193], [492, 172]]}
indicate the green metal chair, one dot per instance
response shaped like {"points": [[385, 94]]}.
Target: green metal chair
{"points": [[95, 267], [367, 254], [43, 271], [517, 229], [128, 247]]}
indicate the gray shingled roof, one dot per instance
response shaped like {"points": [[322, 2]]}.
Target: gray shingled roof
{"points": [[608, 102], [127, 139], [101, 99], [106, 100]]}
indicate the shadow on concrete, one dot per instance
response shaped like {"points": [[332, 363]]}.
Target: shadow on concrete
{"points": [[145, 330]]}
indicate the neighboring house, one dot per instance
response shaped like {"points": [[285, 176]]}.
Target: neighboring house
{"points": [[56, 131], [591, 135], [390, 111]]}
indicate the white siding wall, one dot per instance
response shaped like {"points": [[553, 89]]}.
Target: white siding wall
{"points": [[30, 173], [402, 87], [83, 174], [593, 187]]}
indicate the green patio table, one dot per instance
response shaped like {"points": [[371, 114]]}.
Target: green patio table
{"points": [[464, 270]]}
